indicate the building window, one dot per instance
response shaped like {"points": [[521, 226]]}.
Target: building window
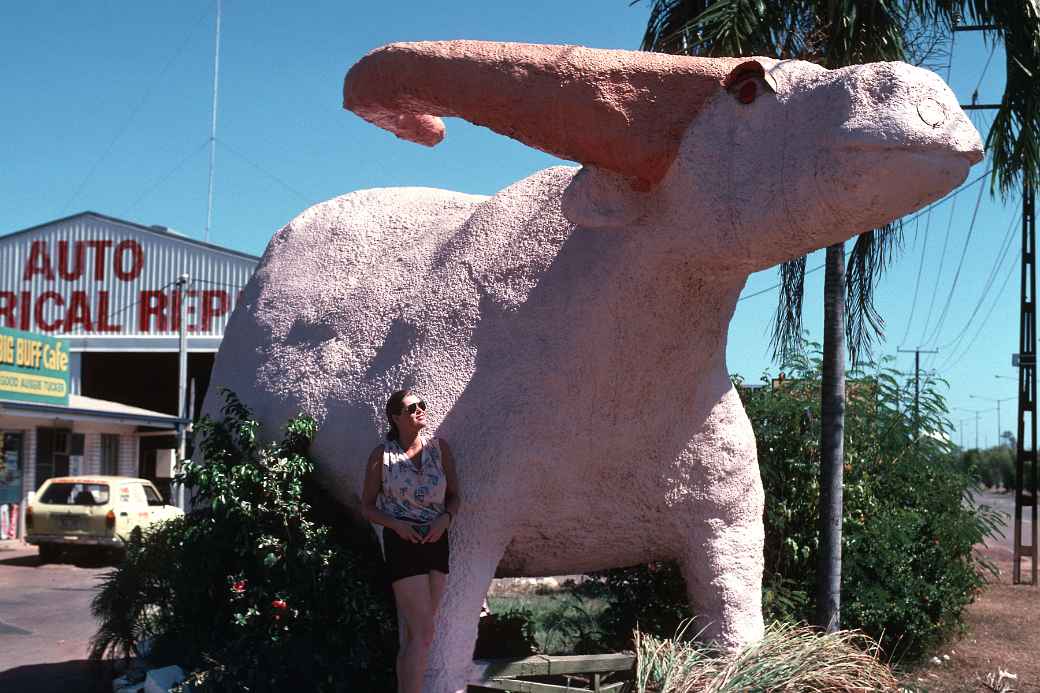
{"points": [[11, 467], [59, 452], [109, 454]]}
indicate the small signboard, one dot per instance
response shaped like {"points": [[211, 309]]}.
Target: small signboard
{"points": [[33, 367], [1019, 360]]}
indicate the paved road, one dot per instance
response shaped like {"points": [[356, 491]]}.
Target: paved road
{"points": [[1003, 547], [45, 625]]}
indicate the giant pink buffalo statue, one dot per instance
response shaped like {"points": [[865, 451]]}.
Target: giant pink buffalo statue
{"points": [[570, 330]]}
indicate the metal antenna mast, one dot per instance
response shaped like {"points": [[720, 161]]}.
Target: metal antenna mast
{"points": [[213, 129]]}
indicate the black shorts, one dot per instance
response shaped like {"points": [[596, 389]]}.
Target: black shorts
{"points": [[405, 559]]}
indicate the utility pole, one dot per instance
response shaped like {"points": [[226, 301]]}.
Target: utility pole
{"points": [[976, 412], [960, 427], [182, 376], [917, 384], [998, 401], [1025, 456]]}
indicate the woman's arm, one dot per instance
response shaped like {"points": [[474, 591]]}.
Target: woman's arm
{"points": [[452, 498], [369, 511]]}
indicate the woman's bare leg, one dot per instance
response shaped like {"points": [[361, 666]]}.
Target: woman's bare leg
{"points": [[438, 581], [415, 604], [402, 645]]}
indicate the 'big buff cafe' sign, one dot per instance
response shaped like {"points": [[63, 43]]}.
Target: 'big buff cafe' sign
{"points": [[33, 367]]}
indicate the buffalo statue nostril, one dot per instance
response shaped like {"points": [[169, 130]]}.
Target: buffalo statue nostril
{"points": [[932, 112]]}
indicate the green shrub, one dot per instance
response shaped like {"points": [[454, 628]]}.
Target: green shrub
{"points": [[991, 466], [909, 526], [651, 598], [247, 591], [562, 621], [506, 634]]}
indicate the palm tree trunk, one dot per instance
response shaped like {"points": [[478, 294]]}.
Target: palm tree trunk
{"points": [[832, 436]]}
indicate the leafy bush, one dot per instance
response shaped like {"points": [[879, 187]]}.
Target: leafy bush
{"points": [[248, 591], [993, 467], [506, 634], [650, 598], [561, 621], [909, 526], [909, 523]]}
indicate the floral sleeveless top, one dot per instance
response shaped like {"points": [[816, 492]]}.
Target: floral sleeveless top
{"points": [[409, 493]]}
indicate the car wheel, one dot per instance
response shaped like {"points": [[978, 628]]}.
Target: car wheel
{"points": [[49, 553]]}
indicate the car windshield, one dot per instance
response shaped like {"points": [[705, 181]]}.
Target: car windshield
{"points": [[66, 493]]}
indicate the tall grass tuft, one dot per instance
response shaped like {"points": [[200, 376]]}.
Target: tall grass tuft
{"points": [[789, 658]]}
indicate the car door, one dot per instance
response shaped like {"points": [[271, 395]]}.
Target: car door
{"points": [[137, 508], [156, 505]]}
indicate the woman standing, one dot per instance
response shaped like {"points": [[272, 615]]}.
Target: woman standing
{"points": [[412, 491]]}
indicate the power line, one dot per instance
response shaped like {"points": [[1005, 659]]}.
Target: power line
{"points": [[1005, 247], [264, 171], [920, 270], [938, 276], [960, 266], [153, 83], [119, 311], [946, 239], [210, 281], [985, 69], [777, 286], [955, 360], [166, 176], [948, 197]]}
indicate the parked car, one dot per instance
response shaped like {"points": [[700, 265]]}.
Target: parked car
{"points": [[95, 511]]}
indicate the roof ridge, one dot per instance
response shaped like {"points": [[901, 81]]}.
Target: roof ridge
{"points": [[156, 229]]}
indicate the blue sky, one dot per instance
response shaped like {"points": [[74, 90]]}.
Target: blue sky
{"points": [[108, 108]]}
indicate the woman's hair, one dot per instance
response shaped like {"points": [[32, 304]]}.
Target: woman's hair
{"points": [[394, 405]]}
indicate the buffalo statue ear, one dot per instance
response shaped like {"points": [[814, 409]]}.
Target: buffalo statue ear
{"points": [[600, 198]]}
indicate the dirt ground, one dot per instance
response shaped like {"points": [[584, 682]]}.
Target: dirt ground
{"points": [[1003, 637]]}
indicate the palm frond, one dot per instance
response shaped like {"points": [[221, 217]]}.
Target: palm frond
{"points": [[722, 27], [786, 340], [870, 256], [670, 24]]}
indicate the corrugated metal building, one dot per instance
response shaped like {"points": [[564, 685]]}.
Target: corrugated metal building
{"points": [[108, 287]]}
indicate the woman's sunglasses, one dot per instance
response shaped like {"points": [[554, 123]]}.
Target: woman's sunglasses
{"points": [[410, 409]]}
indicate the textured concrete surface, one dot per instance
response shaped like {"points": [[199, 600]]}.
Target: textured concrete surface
{"points": [[569, 332]]}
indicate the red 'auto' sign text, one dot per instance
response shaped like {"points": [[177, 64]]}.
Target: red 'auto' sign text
{"points": [[108, 262]]}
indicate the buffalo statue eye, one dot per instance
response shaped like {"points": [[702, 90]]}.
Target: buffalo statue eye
{"points": [[747, 91]]}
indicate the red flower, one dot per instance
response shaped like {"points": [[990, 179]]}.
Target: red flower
{"points": [[239, 586], [278, 604]]}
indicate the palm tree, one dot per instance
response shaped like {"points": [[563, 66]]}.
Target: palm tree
{"points": [[836, 33]]}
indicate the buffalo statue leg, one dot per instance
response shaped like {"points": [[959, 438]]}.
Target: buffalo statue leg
{"points": [[722, 566], [478, 540]]}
